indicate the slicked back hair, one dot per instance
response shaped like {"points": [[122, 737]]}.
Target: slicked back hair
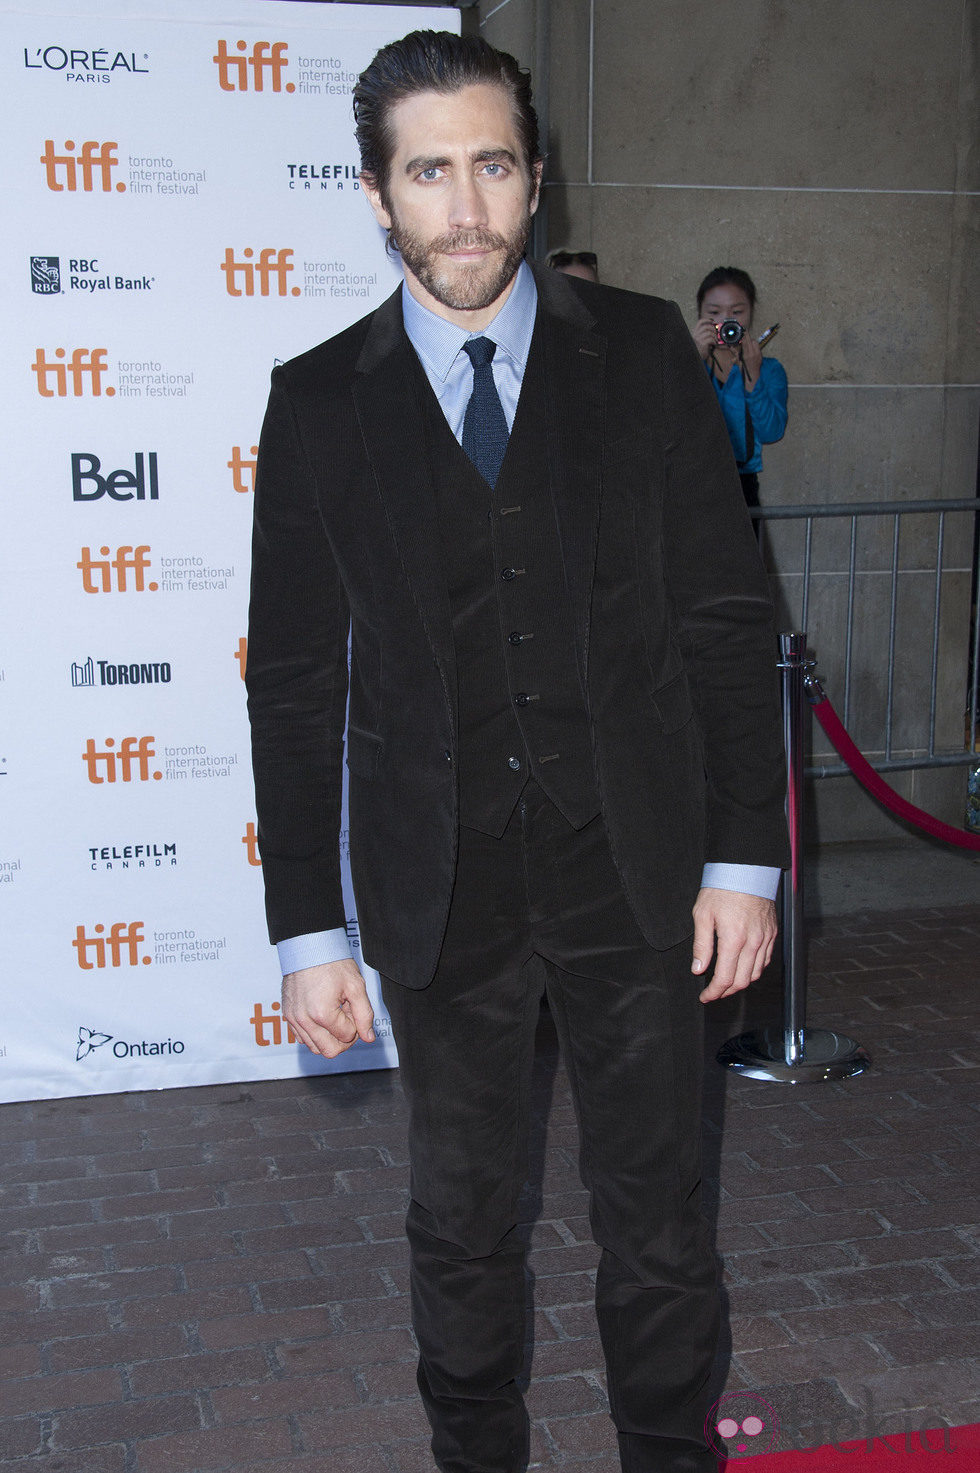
{"points": [[434, 61]]}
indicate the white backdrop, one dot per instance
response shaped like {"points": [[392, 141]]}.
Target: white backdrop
{"points": [[182, 212]]}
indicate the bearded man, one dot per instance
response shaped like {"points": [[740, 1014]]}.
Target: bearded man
{"points": [[514, 495]]}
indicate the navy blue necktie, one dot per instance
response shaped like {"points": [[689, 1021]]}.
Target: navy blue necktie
{"points": [[485, 430]]}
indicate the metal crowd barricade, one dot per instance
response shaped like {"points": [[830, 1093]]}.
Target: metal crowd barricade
{"points": [[793, 1052]]}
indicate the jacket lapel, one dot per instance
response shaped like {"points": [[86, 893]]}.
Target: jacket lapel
{"points": [[386, 390], [575, 375]]}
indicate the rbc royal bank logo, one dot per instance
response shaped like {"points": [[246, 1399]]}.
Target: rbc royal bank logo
{"points": [[244, 70], [46, 276], [91, 169]]}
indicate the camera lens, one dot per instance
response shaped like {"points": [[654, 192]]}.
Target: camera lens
{"points": [[729, 333]]}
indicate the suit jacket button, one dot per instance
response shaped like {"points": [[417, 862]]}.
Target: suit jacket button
{"points": [[515, 763], [515, 638], [508, 574], [522, 699], [449, 755]]}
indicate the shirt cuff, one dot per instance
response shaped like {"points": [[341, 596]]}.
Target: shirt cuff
{"points": [[747, 879], [313, 949]]}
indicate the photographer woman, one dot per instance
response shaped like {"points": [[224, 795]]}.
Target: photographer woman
{"points": [[751, 389]]}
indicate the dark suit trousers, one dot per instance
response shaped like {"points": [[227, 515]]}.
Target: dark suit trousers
{"points": [[629, 1024]]}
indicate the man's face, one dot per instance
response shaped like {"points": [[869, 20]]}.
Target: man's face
{"points": [[459, 200]]}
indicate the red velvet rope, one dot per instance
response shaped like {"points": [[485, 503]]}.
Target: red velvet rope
{"points": [[878, 788]]}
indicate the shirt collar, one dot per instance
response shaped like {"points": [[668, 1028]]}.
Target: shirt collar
{"points": [[438, 342]]}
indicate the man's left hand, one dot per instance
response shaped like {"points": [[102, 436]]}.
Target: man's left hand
{"points": [[745, 928]]}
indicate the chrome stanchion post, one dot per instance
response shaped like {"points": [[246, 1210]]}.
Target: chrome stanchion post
{"points": [[792, 668], [794, 1054]]}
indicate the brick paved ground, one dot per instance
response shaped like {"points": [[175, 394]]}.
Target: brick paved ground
{"points": [[215, 1278]]}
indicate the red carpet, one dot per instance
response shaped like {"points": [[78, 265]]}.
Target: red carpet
{"points": [[958, 1451]]}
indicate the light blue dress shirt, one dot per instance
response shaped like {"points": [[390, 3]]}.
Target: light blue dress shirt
{"points": [[439, 344]]}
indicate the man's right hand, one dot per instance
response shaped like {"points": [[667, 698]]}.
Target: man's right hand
{"points": [[327, 1007]]}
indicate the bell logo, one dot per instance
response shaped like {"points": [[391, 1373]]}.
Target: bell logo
{"points": [[271, 264], [97, 573], [241, 655], [84, 363], [264, 58], [251, 841], [242, 470], [96, 161], [133, 757], [120, 948], [121, 485]]}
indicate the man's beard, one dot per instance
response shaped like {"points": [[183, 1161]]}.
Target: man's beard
{"points": [[464, 288]]}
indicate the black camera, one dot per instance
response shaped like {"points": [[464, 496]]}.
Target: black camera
{"points": [[729, 334]]}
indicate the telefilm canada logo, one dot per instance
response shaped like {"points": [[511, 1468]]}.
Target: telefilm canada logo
{"points": [[142, 855], [98, 65], [85, 274], [89, 673]]}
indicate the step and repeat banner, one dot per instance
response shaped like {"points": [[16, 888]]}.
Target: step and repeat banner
{"points": [[182, 213]]}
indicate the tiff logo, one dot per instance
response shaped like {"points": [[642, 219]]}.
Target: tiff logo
{"points": [[274, 1022], [264, 58], [242, 470], [95, 160], [84, 363], [251, 841], [134, 754], [124, 938], [126, 560], [271, 264], [241, 655]]}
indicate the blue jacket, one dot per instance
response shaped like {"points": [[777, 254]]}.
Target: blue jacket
{"points": [[767, 410]]}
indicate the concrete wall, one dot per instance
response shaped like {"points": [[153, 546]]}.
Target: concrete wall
{"points": [[832, 151]]}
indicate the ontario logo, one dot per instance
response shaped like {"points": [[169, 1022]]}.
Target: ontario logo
{"points": [[247, 70], [90, 170], [90, 1039]]}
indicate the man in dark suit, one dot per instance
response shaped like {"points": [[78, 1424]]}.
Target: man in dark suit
{"points": [[515, 495]]}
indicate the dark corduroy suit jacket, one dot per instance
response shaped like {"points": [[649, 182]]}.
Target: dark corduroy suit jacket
{"points": [[672, 624]]}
